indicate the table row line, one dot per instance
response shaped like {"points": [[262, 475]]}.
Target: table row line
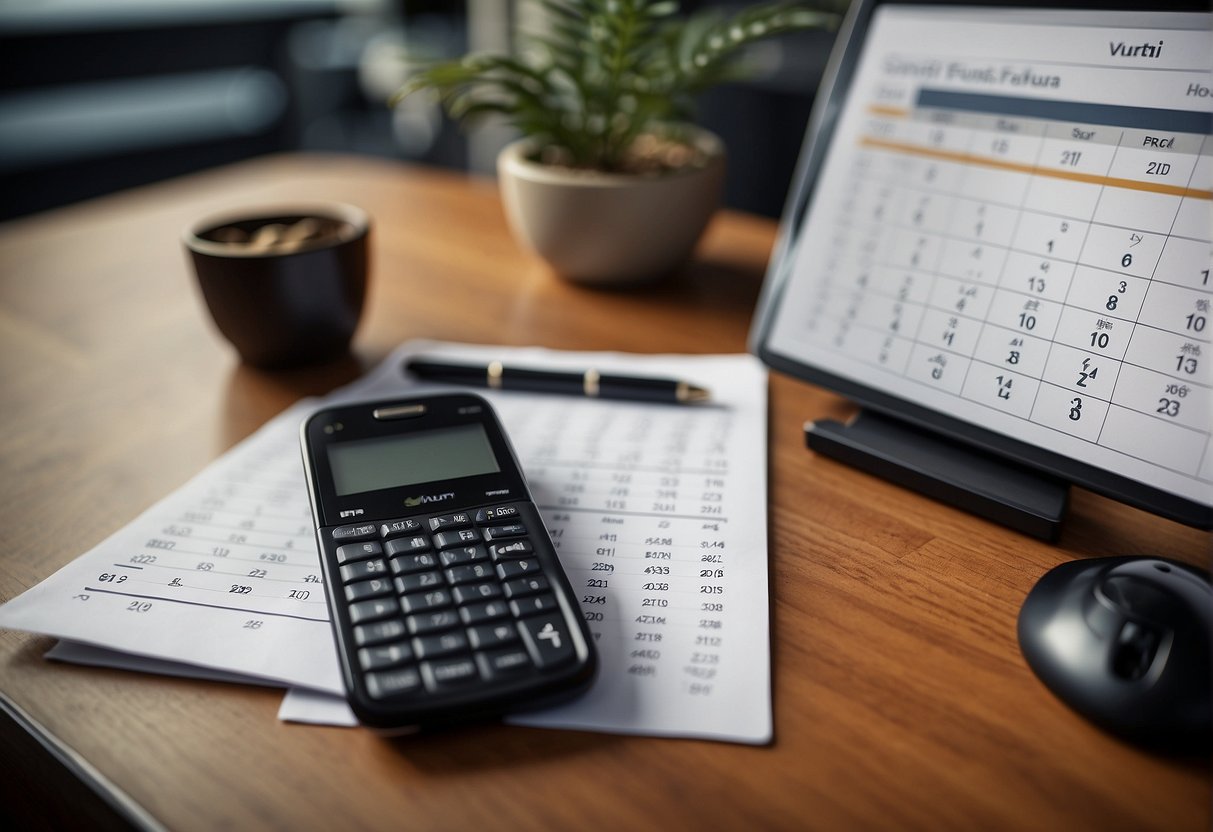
{"points": [[1149, 418], [1183, 214]]}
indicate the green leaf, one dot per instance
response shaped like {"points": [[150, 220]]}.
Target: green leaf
{"points": [[606, 71]]}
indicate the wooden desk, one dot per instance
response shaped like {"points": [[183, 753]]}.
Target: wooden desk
{"points": [[901, 700]]}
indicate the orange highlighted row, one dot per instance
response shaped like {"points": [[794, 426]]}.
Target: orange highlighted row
{"points": [[885, 110], [1019, 167]]}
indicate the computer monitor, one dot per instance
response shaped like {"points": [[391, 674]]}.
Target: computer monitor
{"points": [[999, 236]]}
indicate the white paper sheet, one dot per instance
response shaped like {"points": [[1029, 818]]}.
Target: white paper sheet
{"points": [[314, 707], [658, 513], [223, 573], [73, 652]]}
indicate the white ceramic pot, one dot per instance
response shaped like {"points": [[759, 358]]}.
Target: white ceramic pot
{"points": [[605, 228]]}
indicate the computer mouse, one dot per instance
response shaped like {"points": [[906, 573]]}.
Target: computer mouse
{"points": [[1125, 641]]}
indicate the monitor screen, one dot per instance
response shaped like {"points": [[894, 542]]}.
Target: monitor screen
{"points": [[1001, 230]]}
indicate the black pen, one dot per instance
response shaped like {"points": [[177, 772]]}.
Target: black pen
{"points": [[575, 383]]}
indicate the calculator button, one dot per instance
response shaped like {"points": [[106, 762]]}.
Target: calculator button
{"points": [[500, 532], [358, 551], [547, 640], [403, 564], [533, 606], [367, 589], [503, 662], [393, 682], [450, 521], [486, 516], [373, 568], [425, 601], [482, 612], [418, 581], [462, 537], [368, 634], [372, 609], [353, 532], [464, 554], [449, 673], [517, 568], [488, 636], [526, 586], [441, 644], [407, 545], [395, 528], [469, 572], [476, 592], [517, 549], [389, 655], [431, 622]]}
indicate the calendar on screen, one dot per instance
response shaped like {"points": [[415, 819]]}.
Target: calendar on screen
{"points": [[1002, 231]]}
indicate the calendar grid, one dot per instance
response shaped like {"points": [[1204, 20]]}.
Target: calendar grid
{"points": [[1018, 260]]}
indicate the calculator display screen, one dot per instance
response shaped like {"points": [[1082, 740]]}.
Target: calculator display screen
{"points": [[425, 456], [1006, 231]]}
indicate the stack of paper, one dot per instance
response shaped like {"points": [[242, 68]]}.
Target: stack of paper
{"points": [[658, 511]]}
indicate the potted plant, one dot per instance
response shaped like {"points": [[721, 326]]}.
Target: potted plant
{"points": [[611, 182]]}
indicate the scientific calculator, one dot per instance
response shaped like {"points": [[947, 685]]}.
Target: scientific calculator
{"points": [[447, 600]]}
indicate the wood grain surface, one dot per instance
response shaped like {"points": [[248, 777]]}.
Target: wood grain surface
{"points": [[901, 700]]}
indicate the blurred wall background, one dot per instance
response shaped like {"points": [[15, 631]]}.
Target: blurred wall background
{"points": [[100, 95]]}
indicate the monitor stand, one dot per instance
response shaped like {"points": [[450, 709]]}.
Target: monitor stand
{"points": [[930, 463]]}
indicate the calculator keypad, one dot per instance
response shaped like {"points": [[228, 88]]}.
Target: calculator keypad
{"points": [[436, 604]]}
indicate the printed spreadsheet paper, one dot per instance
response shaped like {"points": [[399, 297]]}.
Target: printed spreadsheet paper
{"points": [[658, 513]]}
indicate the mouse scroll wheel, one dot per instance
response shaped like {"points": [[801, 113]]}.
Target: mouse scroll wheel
{"points": [[1136, 597], [1134, 651]]}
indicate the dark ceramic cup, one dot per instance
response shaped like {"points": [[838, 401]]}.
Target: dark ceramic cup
{"points": [[285, 286]]}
